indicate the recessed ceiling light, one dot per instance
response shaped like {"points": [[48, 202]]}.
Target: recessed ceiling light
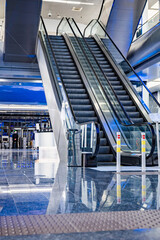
{"points": [[77, 9], [69, 2]]}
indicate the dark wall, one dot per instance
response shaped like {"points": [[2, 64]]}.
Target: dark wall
{"points": [[21, 28], [123, 21]]}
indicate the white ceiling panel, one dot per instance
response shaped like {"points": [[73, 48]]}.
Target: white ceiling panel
{"points": [[59, 10], [2, 8]]}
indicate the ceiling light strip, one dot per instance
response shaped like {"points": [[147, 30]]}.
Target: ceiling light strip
{"points": [[69, 2]]}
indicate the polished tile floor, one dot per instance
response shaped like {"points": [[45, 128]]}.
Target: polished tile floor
{"points": [[33, 186]]}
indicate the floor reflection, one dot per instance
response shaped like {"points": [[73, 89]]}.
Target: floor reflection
{"points": [[106, 191], [29, 185]]}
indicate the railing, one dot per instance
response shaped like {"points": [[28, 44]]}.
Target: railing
{"points": [[95, 76], [143, 93], [145, 27], [90, 138]]}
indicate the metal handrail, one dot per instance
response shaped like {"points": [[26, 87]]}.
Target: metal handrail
{"points": [[148, 21], [72, 112], [57, 29], [131, 123], [123, 58]]}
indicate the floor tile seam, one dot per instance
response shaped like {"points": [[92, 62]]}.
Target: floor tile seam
{"points": [[11, 193], [36, 187]]}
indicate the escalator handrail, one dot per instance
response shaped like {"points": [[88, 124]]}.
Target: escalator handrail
{"points": [[123, 58], [41, 19], [68, 100], [131, 123], [145, 23], [57, 29]]}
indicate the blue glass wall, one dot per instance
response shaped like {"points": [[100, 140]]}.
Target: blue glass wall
{"points": [[22, 93]]}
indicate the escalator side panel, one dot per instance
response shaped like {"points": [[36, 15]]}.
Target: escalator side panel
{"points": [[52, 103]]}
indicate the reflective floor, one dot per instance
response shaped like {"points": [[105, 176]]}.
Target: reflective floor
{"points": [[33, 186]]}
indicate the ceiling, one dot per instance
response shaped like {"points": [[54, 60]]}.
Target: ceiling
{"points": [[2, 8], [151, 3], [59, 10], [84, 16]]}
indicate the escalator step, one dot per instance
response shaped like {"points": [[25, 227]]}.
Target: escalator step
{"points": [[77, 96], [60, 57], [78, 91], [107, 70], [103, 142], [87, 119], [125, 97], [69, 76], [74, 86], [67, 64], [115, 82], [104, 149], [65, 68], [120, 92], [118, 87], [127, 103], [130, 108], [113, 78], [105, 157], [68, 72], [80, 101], [60, 51], [58, 46], [56, 37], [71, 81], [109, 164], [84, 113], [84, 107], [101, 59], [99, 55], [64, 60], [137, 120], [101, 134], [110, 74], [133, 114]]}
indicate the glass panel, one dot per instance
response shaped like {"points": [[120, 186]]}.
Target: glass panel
{"points": [[147, 25]]}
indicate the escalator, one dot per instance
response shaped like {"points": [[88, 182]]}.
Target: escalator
{"points": [[95, 92], [78, 95], [118, 86]]}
